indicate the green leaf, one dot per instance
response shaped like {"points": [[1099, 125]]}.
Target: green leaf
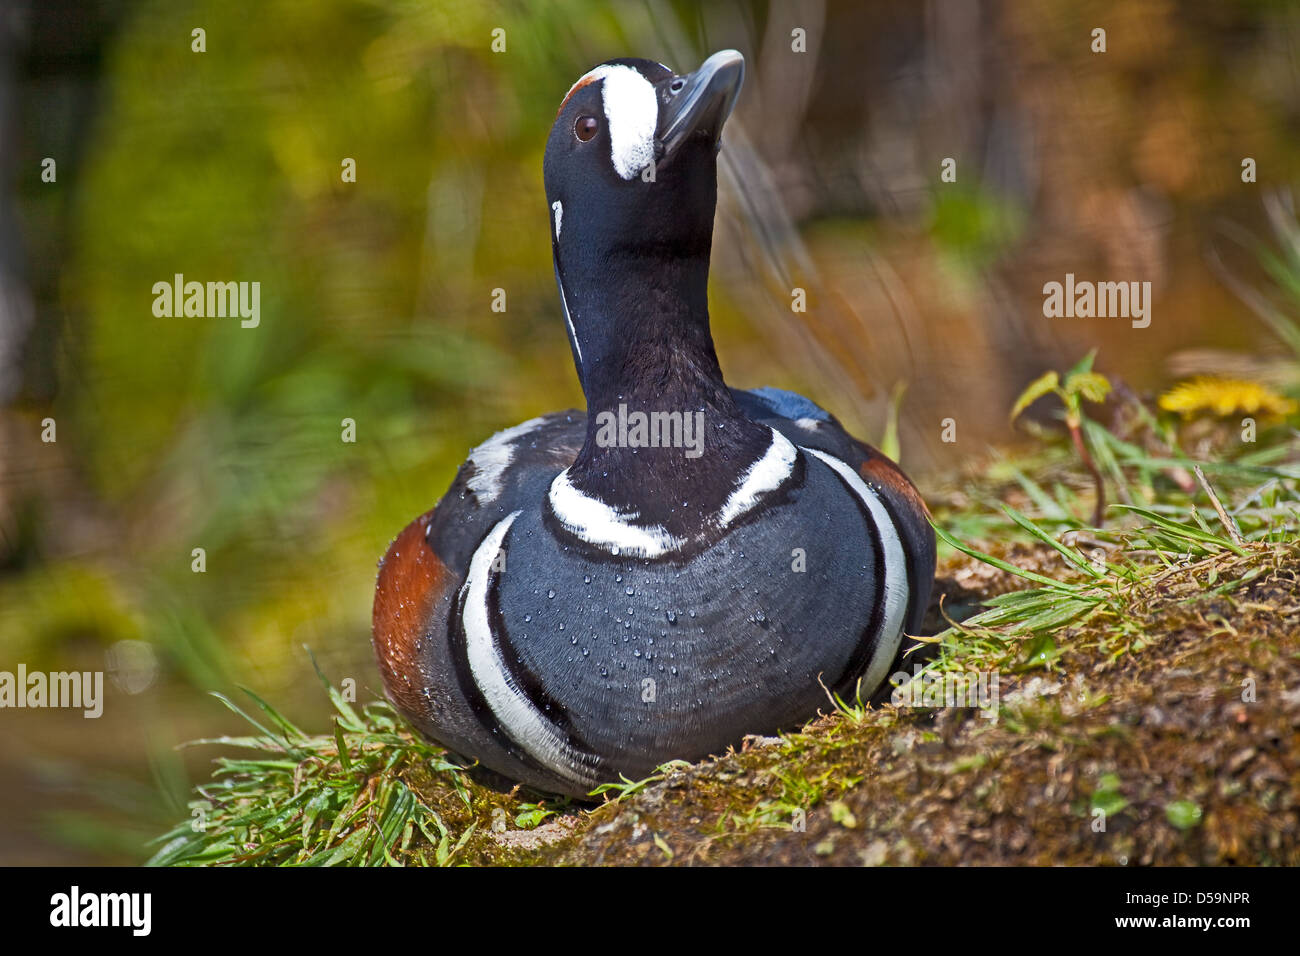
{"points": [[350, 718], [1109, 802], [889, 445], [236, 708], [1062, 611], [1047, 382], [345, 761], [1070, 554], [287, 726], [313, 809], [1090, 385], [841, 814], [1041, 651], [1083, 366], [1060, 586], [1183, 814], [1185, 531], [531, 817], [1107, 797]]}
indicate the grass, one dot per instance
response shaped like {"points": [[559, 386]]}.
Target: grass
{"points": [[344, 799], [1110, 586]]}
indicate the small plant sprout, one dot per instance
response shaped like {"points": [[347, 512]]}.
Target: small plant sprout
{"points": [[1081, 383]]}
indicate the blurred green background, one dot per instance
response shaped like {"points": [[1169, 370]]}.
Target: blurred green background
{"points": [[180, 433]]}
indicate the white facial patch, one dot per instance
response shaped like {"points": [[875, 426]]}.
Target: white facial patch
{"points": [[632, 113]]}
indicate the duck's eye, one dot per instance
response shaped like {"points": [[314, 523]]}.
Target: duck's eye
{"points": [[585, 128]]}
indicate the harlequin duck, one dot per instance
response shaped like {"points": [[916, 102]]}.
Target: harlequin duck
{"points": [[684, 564]]}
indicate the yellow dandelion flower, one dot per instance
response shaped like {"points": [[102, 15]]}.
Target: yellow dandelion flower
{"points": [[1225, 396]]}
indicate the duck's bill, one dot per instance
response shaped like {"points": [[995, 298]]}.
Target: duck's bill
{"points": [[699, 103]]}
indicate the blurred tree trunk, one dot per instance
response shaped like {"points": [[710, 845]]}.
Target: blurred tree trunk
{"points": [[51, 73], [15, 296]]}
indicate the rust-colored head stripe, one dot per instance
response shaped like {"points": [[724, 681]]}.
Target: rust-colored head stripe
{"points": [[585, 80]]}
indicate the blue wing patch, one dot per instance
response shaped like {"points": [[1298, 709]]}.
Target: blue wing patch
{"points": [[785, 404]]}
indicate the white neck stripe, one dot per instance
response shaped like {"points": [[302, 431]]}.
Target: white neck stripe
{"points": [[568, 319]]}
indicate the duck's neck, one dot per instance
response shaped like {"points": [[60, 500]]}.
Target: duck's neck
{"points": [[664, 437]]}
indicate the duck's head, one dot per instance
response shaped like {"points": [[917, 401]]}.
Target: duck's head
{"points": [[632, 158], [631, 176]]}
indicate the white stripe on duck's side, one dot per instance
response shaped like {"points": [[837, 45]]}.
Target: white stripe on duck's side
{"points": [[890, 634], [493, 457], [514, 711], [601, 524], [632, 111]]}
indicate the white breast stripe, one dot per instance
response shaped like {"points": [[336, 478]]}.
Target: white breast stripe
{"points": [[492, 458], [521, 721], [891, 626], [600, 524], [762, 476]]}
